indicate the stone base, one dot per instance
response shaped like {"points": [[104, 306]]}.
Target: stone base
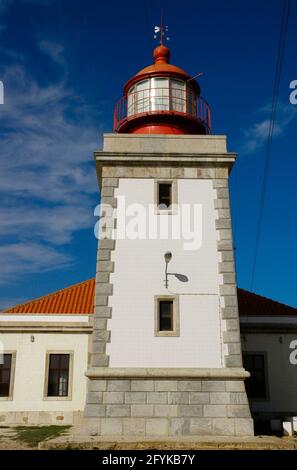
{"points": [[40, 418], [167, 407]]}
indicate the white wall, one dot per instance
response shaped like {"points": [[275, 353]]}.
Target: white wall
{"points": [[29, 380], [281, 375], [139, 276]]}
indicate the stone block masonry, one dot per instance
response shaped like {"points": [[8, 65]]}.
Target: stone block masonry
{"points": [[166, 402], [104, 288], [168, 408], [227, 288]]}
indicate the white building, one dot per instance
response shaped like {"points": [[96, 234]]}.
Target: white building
{"points": [[42, 376]]}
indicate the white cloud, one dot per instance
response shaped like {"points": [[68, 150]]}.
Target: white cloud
{"points": [[55, 224], [30, 258], [255, 137], [45, 153], [53, 50], [48, 181], [11, 54]]}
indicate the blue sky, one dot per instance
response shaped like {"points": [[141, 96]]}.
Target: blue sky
{"points": [[64, 63]]}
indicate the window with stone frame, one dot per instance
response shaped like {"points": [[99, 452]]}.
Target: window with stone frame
{"points": [[5, 374], [58, 375], [166, 315], [165, 196]]}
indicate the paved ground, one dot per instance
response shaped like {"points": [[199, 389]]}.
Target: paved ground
{"points": [[257, 443], [70, 440], [7, 440]]}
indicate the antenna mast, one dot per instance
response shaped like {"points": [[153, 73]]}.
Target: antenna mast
{"points": [[161, 29]]}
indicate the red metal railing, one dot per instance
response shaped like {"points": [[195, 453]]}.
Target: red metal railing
{"points": [[162, 101]]}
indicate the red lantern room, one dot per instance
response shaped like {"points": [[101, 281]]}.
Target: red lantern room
{"points": [[162, 99]]}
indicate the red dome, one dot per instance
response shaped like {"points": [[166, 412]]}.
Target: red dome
{"points": [[161, 67], [162, 99]]}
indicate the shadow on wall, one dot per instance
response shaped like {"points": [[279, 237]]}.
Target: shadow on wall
{"points": [[180, 277]]}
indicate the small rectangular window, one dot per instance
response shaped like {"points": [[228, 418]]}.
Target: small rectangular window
{"points": [[166, 315], [5, 375], [58, 375], [256, 383], [164, 195]]}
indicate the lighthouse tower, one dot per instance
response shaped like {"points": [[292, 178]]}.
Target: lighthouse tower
{"points": [[166, 352]]}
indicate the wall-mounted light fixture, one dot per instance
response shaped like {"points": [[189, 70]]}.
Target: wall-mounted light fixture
{"points": [[32, 339], [167, 257]]}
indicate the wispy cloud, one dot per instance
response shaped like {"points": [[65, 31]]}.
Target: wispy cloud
{"points": [[53, 50], [47, 176], [28, 258], [255, 137], [50, 224], [11, 54], [46, 153]]}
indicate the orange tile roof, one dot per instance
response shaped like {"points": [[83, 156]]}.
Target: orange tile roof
{"points": [[79, 298]]}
